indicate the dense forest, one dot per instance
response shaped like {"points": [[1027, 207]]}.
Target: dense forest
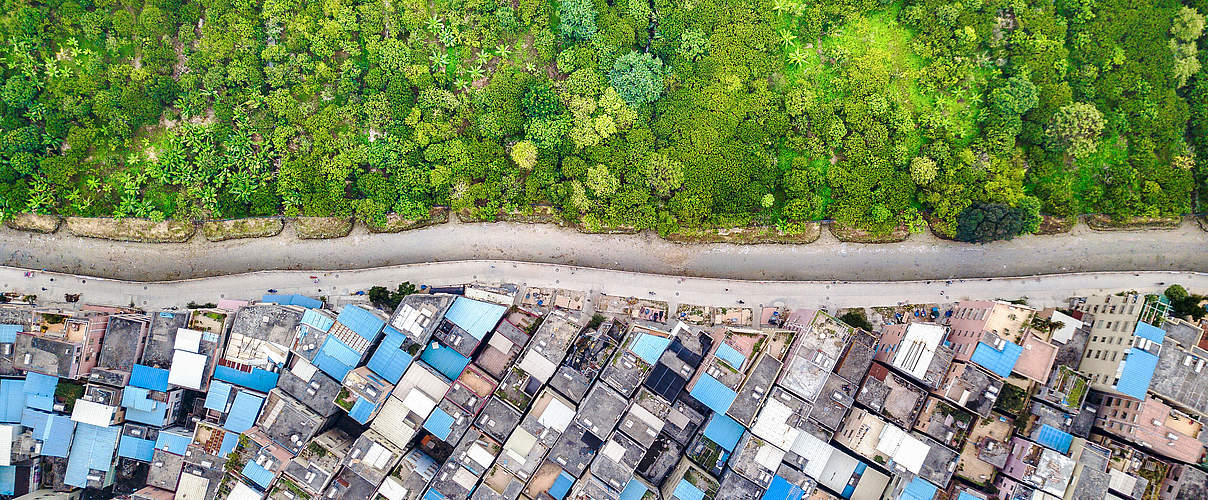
{"points": [[974, 116]]}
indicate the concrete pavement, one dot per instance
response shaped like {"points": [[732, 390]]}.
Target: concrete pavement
{"points": [[1039, 291]]}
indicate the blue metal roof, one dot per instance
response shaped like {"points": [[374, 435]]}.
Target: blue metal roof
{"points": [[687, 491], [172, 442], [8, 333], [966, 496], [293, 300], [141, 408], [56, 435], [218, 395], [229, 441], [1148, 331], [258, 380], [244, 411], [315, 319], [362, 410], [361, 321], [8, 480], [1054, 438], [40, 391], [561, 485], [919, 489], [475, 317], [335, 358], [650, 347], [136, 448], [731, 356], [389, 360], [782, 489], [1137, 374], [258, 474], [92, 448], [434, 495], [12, 391], [445, 359], [633, 491], [724, 431], [999, 362], [34, 419], [439, 423], [147, 377], [713, 394]]}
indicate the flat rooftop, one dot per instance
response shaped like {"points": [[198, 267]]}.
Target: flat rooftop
{"points": [[497, 419], [605, 408], [123, 342], [288, 422], [754, 389], [270, 322], [896, 398], [162, 339], [575, 449]]}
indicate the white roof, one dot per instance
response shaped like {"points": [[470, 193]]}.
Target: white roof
{"points": [[191, 487], [392, 489], [536, 365], [520, 444], [614, 451], [500, 342], [650, 419], [837, 470], [556, 416], [90, 412], [815, 451], [1068, 326], [769, 457], [188, 368], [419, 377], [771, 425], [378, 456], [7, 434], [480, 455], [242, 491], [905, 450], [390, 422], [303, 369], [419, 403], [188, 340], [918, 347]]}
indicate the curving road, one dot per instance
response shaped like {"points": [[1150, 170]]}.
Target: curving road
{"points": [[922, 257]]}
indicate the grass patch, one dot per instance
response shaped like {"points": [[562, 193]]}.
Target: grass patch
{"points": [[801, 234], [850, 234], [395, 223], [1102, 222], [67, 393]]}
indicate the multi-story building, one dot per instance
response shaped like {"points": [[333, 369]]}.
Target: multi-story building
{"points": [[1113, 319]]}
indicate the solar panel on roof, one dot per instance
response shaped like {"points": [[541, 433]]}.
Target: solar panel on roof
{"points": [[665, 382]]}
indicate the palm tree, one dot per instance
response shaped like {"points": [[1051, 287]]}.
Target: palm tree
{"points": [[440, 60], [434, 24], [787, 38], [476, 73], [798, 56], [503, 51], [780, 6], [483, 57]]}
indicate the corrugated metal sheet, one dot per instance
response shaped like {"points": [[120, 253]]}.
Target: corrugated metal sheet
{"points": [[650, 347], [634, 490], [243, 412], [147, 377], [315, 319], [476, 318], [172, 442], [439, 423], [92, 448], [687, 491], [1054, 438], [40, 391], [713, 394], [229, 441], [8, 480], [781, 489], [919, 489], [293, 300], [724, 431], [361, 411], [998, 362], [136, 448], [447, 361], [8, 333], [389, 361], [731, 356], [57, 436], [12, 391], [258, 379], [1148, 331], [361, 321], [258, 474], [1137, 374], [218, 395], [335, 358]]}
